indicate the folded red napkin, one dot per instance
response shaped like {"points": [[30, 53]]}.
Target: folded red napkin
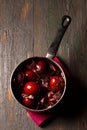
{"points": [[40, 118]]}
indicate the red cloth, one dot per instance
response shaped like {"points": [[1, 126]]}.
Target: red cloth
{"points": [[39, 118]]}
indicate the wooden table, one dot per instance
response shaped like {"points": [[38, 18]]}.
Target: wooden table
{"points": [[27, 28]]}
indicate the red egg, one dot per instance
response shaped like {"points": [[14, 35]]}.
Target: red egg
{"points": [[40, 66], [54, 83], [27, 101], [31, 88], [29, 74]]}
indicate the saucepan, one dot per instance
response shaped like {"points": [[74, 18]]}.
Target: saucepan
{"points": [[39, 83]]}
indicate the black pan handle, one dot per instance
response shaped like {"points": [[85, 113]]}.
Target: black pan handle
{"points": [[66, 20]]}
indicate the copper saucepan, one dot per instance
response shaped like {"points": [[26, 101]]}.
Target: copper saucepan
{"points": [[44, 68]]}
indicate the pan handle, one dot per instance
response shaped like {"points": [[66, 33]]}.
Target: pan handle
{"points": [[52, 50]]}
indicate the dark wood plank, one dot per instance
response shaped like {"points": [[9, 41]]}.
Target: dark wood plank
{"points": [[16, 44], [40, 29]]}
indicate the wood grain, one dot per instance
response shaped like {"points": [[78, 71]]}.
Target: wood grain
{"points": [[27, 28]]}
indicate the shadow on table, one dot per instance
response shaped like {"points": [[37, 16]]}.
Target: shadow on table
{"points": [[74, 102]]}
